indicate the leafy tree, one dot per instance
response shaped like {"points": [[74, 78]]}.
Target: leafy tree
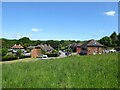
{"points": [[55, 51], [118, 39], [4, 51], [19, 53], [53, 43], [38, 42], [72, 41], [119, 36], [114, 38], [106, 41], [8, 43], [78, 41], [24, 40]]}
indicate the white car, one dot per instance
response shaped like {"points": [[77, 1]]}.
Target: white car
{"points": [[44, 57]]}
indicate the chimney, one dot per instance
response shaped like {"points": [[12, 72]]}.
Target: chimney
{"points": [[15, 45]]}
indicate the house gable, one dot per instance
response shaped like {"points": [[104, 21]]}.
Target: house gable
{"points": [[90, 47]]}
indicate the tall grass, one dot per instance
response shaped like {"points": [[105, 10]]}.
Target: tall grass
{"points": [[94, 71]]}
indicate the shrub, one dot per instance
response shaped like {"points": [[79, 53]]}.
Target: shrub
{"points": [[22, 56], [8, 58], [12, 57], [19, 53], [52, 55], [117, 48], [4, 51]]}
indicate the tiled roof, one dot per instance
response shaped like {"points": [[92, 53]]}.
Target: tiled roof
{"points": [[44, 47], [31, 47], [17, 46], [92, 43], [75, 44], [79, 44]]}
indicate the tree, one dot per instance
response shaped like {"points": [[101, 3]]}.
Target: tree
{"points": [[19, 53], [53, 43], [118, 39], [4, 51], [114, 38], [106, 41], [118, 36], [38, 42], [24, 40]]}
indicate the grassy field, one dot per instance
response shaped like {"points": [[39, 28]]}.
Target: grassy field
{"points": [[94, 71]]}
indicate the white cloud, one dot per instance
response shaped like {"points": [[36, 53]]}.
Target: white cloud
{"points": [[110, 13], [36, 30]]}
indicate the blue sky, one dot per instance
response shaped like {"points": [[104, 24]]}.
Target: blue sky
{"points": [[59, 21]]}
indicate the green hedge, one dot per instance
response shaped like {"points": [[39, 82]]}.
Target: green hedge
{"points": [[12, 57], [52, 55], [9, 58], [24, 57]]}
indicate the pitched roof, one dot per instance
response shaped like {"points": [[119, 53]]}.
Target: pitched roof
{"points": [[75, 44], [92, 43], [79, 44], [44, 47], [31, 47], [17, 46], [50, 47]]}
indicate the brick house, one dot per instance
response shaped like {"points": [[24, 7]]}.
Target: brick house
{"points": [[78, 48], [36, 51], [90, 47], [75, 47]]}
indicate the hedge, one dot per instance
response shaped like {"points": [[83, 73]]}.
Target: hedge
{"points": [[52, 55], [12, 57]]}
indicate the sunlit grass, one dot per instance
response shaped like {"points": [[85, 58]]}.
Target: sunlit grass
{"points": [[94, 71]]}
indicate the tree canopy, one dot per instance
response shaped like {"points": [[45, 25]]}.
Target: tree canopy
{"points": [[109, 41]]}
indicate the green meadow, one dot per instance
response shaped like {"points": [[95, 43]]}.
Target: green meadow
{"points": [[89, 71]]}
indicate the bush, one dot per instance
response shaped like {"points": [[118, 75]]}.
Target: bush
{"points": [[22, 56], [52, 55], [117, 48], [19, 53], [9, 57], [4, 51], [12, 57]]}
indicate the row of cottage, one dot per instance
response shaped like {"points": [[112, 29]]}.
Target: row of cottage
{"points": [[89, 47]]}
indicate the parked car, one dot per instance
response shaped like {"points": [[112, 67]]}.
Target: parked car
{"points": [[44, 57], [112, 50]]}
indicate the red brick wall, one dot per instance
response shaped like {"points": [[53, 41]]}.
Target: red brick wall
{"points": [[78, 49], [35, 53], [91, 50]]}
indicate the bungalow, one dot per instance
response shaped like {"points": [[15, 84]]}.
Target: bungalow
{"points": [[15, 48], [36, 51], [46, 48], [90, 47]]}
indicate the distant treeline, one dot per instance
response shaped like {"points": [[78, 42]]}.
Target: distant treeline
{"points": [[111, 41], [25, 42], [108, 41]]}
